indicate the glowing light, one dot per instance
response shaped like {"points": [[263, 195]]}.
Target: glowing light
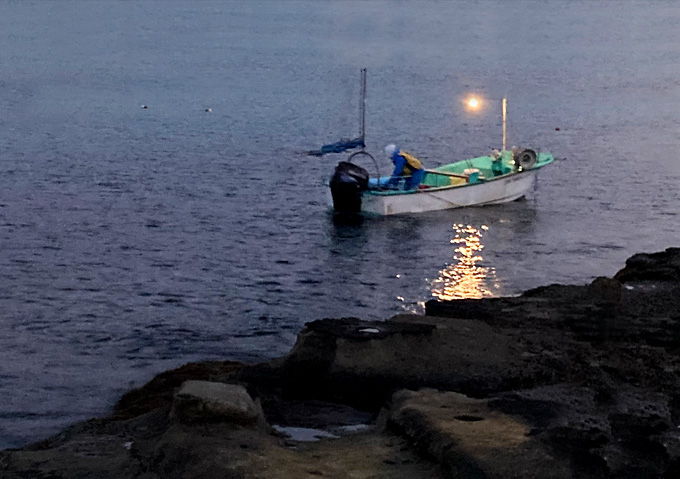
{"points": [[473, 102]]}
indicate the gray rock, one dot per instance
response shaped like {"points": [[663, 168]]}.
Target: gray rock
{"points": [[333, 358], [661, 266], [638, 412], [671, 444], [205, 401], [471, 440], [605, 291], [561, 413]]}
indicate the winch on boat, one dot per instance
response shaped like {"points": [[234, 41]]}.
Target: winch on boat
{"points": [[524, 158]]}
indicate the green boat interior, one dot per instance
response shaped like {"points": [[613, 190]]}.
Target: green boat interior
{"points": [[472, 171]]}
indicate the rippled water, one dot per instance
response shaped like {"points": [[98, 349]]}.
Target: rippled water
{"points": [[137, 239]]}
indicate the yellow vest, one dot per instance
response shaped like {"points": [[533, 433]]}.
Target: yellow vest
{"points": [[412, 163]]}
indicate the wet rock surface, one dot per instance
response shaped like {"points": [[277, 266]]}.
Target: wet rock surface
{"points": [[560, 382]]}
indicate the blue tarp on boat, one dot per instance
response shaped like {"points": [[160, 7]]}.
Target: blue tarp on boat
{"points": [[339, 146]]}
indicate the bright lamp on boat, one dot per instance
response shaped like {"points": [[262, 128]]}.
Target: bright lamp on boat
{"points": [[473, 103]]}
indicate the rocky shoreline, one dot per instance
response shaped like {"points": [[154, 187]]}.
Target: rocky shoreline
{"points": [[560, 382]]}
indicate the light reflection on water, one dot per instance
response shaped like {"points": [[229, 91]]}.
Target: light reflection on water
{"points": [[465, 277]]}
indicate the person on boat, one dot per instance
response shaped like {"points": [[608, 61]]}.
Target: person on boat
{"points": [[406, 167]]}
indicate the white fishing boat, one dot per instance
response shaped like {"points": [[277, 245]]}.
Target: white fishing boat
{"points": [[498, 178]]}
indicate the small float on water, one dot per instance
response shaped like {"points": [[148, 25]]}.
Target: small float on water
{"points": [[500, 177]]}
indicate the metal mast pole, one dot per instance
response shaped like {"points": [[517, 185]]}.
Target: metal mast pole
{"points": [[362, 105], [505, 116]]}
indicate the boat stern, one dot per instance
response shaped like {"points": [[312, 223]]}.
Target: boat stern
{"points": [[347, 185]]}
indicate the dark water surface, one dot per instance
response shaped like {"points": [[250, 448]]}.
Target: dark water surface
{"points": [[137, 239]]}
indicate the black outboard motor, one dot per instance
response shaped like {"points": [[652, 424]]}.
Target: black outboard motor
{"points": [[347, 184]]}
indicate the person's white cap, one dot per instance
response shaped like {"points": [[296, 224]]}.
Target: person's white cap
{"points": [[390, 149]]}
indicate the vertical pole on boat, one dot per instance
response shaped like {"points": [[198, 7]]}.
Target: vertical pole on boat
{"points": [[505, 117], [362, 106]]}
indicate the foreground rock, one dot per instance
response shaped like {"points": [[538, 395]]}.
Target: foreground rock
{"points": [[205, 401], [561, 382], [472, 438]]}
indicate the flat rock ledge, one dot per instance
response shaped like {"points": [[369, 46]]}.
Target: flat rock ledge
{"points": [[205, 401], [560, 382]]}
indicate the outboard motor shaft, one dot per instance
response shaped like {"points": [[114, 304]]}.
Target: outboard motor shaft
{"points": [[347, 184]]}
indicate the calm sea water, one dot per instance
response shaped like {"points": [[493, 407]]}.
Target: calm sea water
{"points": [[133, 239]]}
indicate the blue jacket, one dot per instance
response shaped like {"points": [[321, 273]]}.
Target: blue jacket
{"points": [[408, 167]]}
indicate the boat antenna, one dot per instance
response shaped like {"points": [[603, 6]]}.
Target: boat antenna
{"points": [[362, 108]]}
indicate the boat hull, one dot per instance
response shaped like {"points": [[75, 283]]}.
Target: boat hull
{"points": [[499, 190]]}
